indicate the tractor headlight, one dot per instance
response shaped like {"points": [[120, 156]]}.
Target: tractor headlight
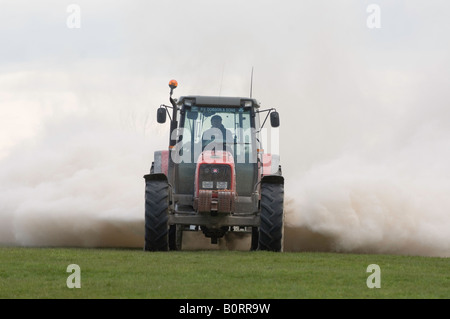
{"points": [[222, 185], [207, 184]]}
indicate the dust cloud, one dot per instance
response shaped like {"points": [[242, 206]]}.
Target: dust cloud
{"points": [[80, 192], [73, 187], [393, 202], [79, 183]]}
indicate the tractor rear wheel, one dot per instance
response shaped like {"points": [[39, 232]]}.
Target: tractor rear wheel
{"points": [[271, 225], [156, 215]]}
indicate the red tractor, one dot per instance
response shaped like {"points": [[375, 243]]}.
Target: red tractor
{"points": [[215, 177]]}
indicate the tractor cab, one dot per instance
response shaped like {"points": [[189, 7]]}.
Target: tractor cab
{"points": [[213, 124]]}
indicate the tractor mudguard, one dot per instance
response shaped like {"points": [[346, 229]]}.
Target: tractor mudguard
{"points": [[272, 179], [156, 177]]}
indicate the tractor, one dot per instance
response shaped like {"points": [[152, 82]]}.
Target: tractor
{"points": [[214, 177]]}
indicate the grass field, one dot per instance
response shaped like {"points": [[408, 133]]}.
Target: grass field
{"points": [[29, 273]]}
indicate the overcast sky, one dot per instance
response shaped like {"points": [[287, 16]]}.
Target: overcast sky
{"points": [[333, 79]]}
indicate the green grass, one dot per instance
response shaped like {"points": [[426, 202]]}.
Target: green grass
{"points": [[129, 273]]}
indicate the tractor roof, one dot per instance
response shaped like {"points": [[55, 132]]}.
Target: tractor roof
{"points": [[212, 101]]}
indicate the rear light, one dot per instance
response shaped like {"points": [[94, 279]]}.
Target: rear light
{"points": [[207, 184], [222, 185]]}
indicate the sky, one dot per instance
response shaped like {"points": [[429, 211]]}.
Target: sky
{"points": [[364, 136]]}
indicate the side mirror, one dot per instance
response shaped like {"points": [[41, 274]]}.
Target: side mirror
{"points": [[274, 119], [161, 115]]}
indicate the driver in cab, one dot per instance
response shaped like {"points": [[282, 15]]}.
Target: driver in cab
{"points": [[217, 133]]}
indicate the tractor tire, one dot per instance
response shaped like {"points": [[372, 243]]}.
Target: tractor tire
{"points": [[156, 216], [272, 217]]}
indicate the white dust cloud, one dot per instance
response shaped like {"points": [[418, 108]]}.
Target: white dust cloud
{"points": [[80, 184], [396, 203]]}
